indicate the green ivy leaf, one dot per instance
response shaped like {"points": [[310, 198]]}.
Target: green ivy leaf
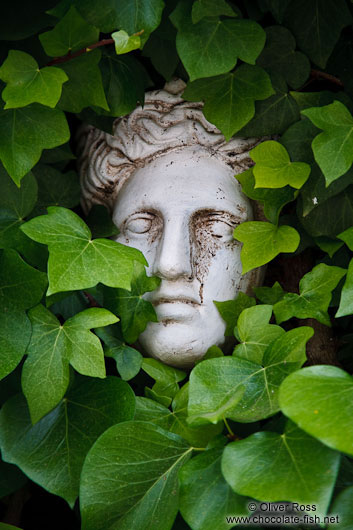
{"points": [[279, 57], [255, 333], [333, 147], [207, 8], [341, 510], [317, 25], [18, 201], [273, 200], [84, 88], [27, 84], [129, 15], [346, 305], [124, 81], [53, 346], [274, 169], [75, 260], [93, 403], [139, 488], [161, 48], [275, 114], [231, 309], [205, 497], [128, 360], [263, 242], [125, 43], [318, 399], [70, 34], [166, 377], [212, 47], [230, 99], [4, 526], [133, 310], [230, 387], [46, 129], [269, 295], [289, 346], [303, 470], [315, 292]]}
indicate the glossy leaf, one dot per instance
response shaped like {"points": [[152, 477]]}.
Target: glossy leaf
{"points": [[27, 84], [93, 403], [255, 333], [334, 146], [318, 399], [269, 295], [70, 34], [53, 346], [230, 387], [125, 43], [46, 128], [212, 47], [139, 486], [315, 292], [208, 8], [230, 99], [84, 87], [75, 260], [205, 497], [166, 377], [346, 300], [303, 470], [263, 242], [231, 309], [274, 169], [128, 360], [130, 306]]}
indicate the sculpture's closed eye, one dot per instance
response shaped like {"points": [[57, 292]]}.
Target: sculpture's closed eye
{"points": [[139, 223]]}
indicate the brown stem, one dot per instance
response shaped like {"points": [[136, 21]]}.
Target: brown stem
{"points": [[317, 74], [69, 56]]}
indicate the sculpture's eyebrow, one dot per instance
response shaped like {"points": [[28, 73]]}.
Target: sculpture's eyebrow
{"points": [[222, 215]]}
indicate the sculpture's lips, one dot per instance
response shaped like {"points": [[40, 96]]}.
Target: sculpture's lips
{"points": [[175, 299]]}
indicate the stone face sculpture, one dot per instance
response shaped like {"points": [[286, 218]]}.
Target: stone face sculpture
{"points": [[167, 176]]}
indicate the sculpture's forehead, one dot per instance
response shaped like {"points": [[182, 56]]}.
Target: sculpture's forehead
{"points": [[186, 180]]}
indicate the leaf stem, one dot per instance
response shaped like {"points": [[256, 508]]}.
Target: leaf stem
{"points": [[228, 427], [317, 74]]}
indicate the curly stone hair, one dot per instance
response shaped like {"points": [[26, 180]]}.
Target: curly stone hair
{"points": [[165, 123]]}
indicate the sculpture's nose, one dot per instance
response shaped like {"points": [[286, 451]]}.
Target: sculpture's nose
{"points": [[173, 256]]}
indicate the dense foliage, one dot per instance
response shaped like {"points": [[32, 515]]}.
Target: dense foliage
{"points": [[83, 413]]}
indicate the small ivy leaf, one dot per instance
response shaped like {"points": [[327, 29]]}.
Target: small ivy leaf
{"points": [[230, 99], [129, 15], [269, 295], [166, 377], [144, 498], [328, 245], [230, 387], [94, 404], [85, 87], [206, 499], [70, 34], [319, 400], [274, 169], [128, 360], [125, 43], [315, 292], [46, 128], [303, 470], [273, 200], [317, 26], [75, 260], [27, 84], [231, 309], [133, 310], [45, 374], [255, 333], [346, 305], [21, 287], [280, 57], [55, 188], [290, 346], [263, 242], [333, 148], [208, 8], [211, 47]]}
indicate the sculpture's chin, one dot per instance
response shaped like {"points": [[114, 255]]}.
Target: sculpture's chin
{"points": [[180, 344]]}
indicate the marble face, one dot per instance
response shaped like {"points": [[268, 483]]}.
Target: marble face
{"points": [[180, 210]]}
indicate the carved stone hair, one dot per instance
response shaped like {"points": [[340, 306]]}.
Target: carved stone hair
{"points": [[166, 123]]}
